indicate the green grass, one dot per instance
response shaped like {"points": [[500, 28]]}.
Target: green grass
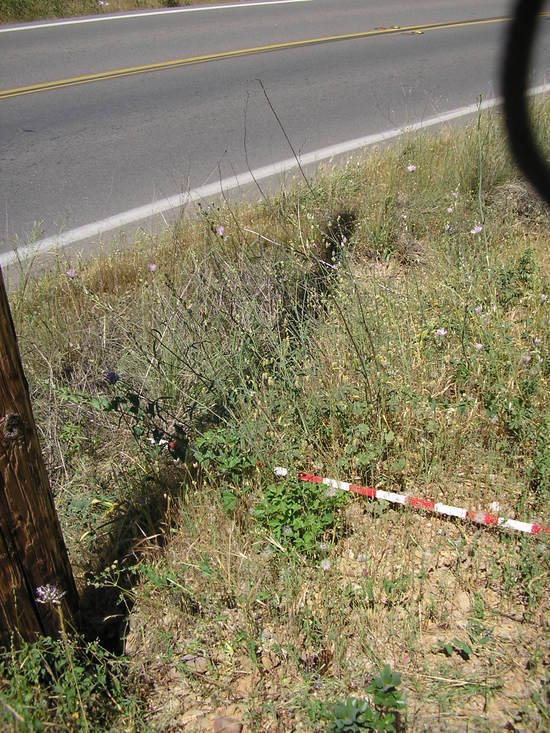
{"points": [[309, 335]]}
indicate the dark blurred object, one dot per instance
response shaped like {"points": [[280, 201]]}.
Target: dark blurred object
{"points": [[517, 61]]}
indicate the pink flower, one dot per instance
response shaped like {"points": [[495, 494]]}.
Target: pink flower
{"points": [[477, 229], [441, 333], [220, 230], [152, 267], [411, 168], [71, 272]]}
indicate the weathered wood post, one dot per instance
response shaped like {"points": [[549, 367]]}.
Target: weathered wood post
{"points": [[32, 550]]}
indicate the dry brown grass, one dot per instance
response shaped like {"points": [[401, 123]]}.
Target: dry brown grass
{"points": [[226, 616]]}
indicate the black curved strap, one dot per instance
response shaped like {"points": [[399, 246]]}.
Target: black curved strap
{"points": [[517, 61]]}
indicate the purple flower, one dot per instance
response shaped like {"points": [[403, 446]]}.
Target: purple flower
{"points": [[411, 168], [71, 272], [152, 267], [112, 377], [220, 230], [49, 594], [526, 358], [477, 229], [441, 333], [478, 309]]}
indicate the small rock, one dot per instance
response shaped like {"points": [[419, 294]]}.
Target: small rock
{"points": [[196, 664], [462, 602], [244, 686], [270, 661], [223, 724]]}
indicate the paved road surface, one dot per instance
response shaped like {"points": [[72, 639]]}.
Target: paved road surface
{"points": [[70, 156]]}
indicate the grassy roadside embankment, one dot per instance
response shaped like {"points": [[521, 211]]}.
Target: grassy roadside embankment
{"points": [[387, 324], [16, 11]]}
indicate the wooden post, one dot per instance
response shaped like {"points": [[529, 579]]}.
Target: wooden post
{"points": [[32, 550]]}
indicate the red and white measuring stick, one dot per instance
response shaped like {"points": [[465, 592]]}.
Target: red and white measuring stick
{"points": [[489, 520]]}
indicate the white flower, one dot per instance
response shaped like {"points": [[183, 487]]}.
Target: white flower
{"points": [[441, 333], [324, 546], [477, 229], [449, 209], [326, 565], [543, 297], [411, 168], [362, 557], [478, 347]]}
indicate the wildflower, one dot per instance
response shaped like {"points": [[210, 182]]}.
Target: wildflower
{"points": [[411, 168], [152, 267], [455, 195], [282, 472], [478, 347], [362, 557], [326, 565], [526, 358], [112, 377], [447, 228], [449, 209], [441, 333], [220, 230], [538, 341], [71, 272], [478, 309], [49, 594], [324, 546], [477, 229], [543, 297]]}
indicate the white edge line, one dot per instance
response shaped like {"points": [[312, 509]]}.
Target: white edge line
{"points": [[227, 184], [147, 14]]}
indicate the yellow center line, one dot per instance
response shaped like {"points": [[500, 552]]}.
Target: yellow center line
{"points": [[164, 65]]}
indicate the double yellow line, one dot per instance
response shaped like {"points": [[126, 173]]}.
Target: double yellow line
{"points": [[177, 63]]}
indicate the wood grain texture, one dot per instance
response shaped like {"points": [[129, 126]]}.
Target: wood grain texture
{"points": [[32, 549]]}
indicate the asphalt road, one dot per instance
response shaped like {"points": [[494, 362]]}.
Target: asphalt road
{"points": [[71, 156]]}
